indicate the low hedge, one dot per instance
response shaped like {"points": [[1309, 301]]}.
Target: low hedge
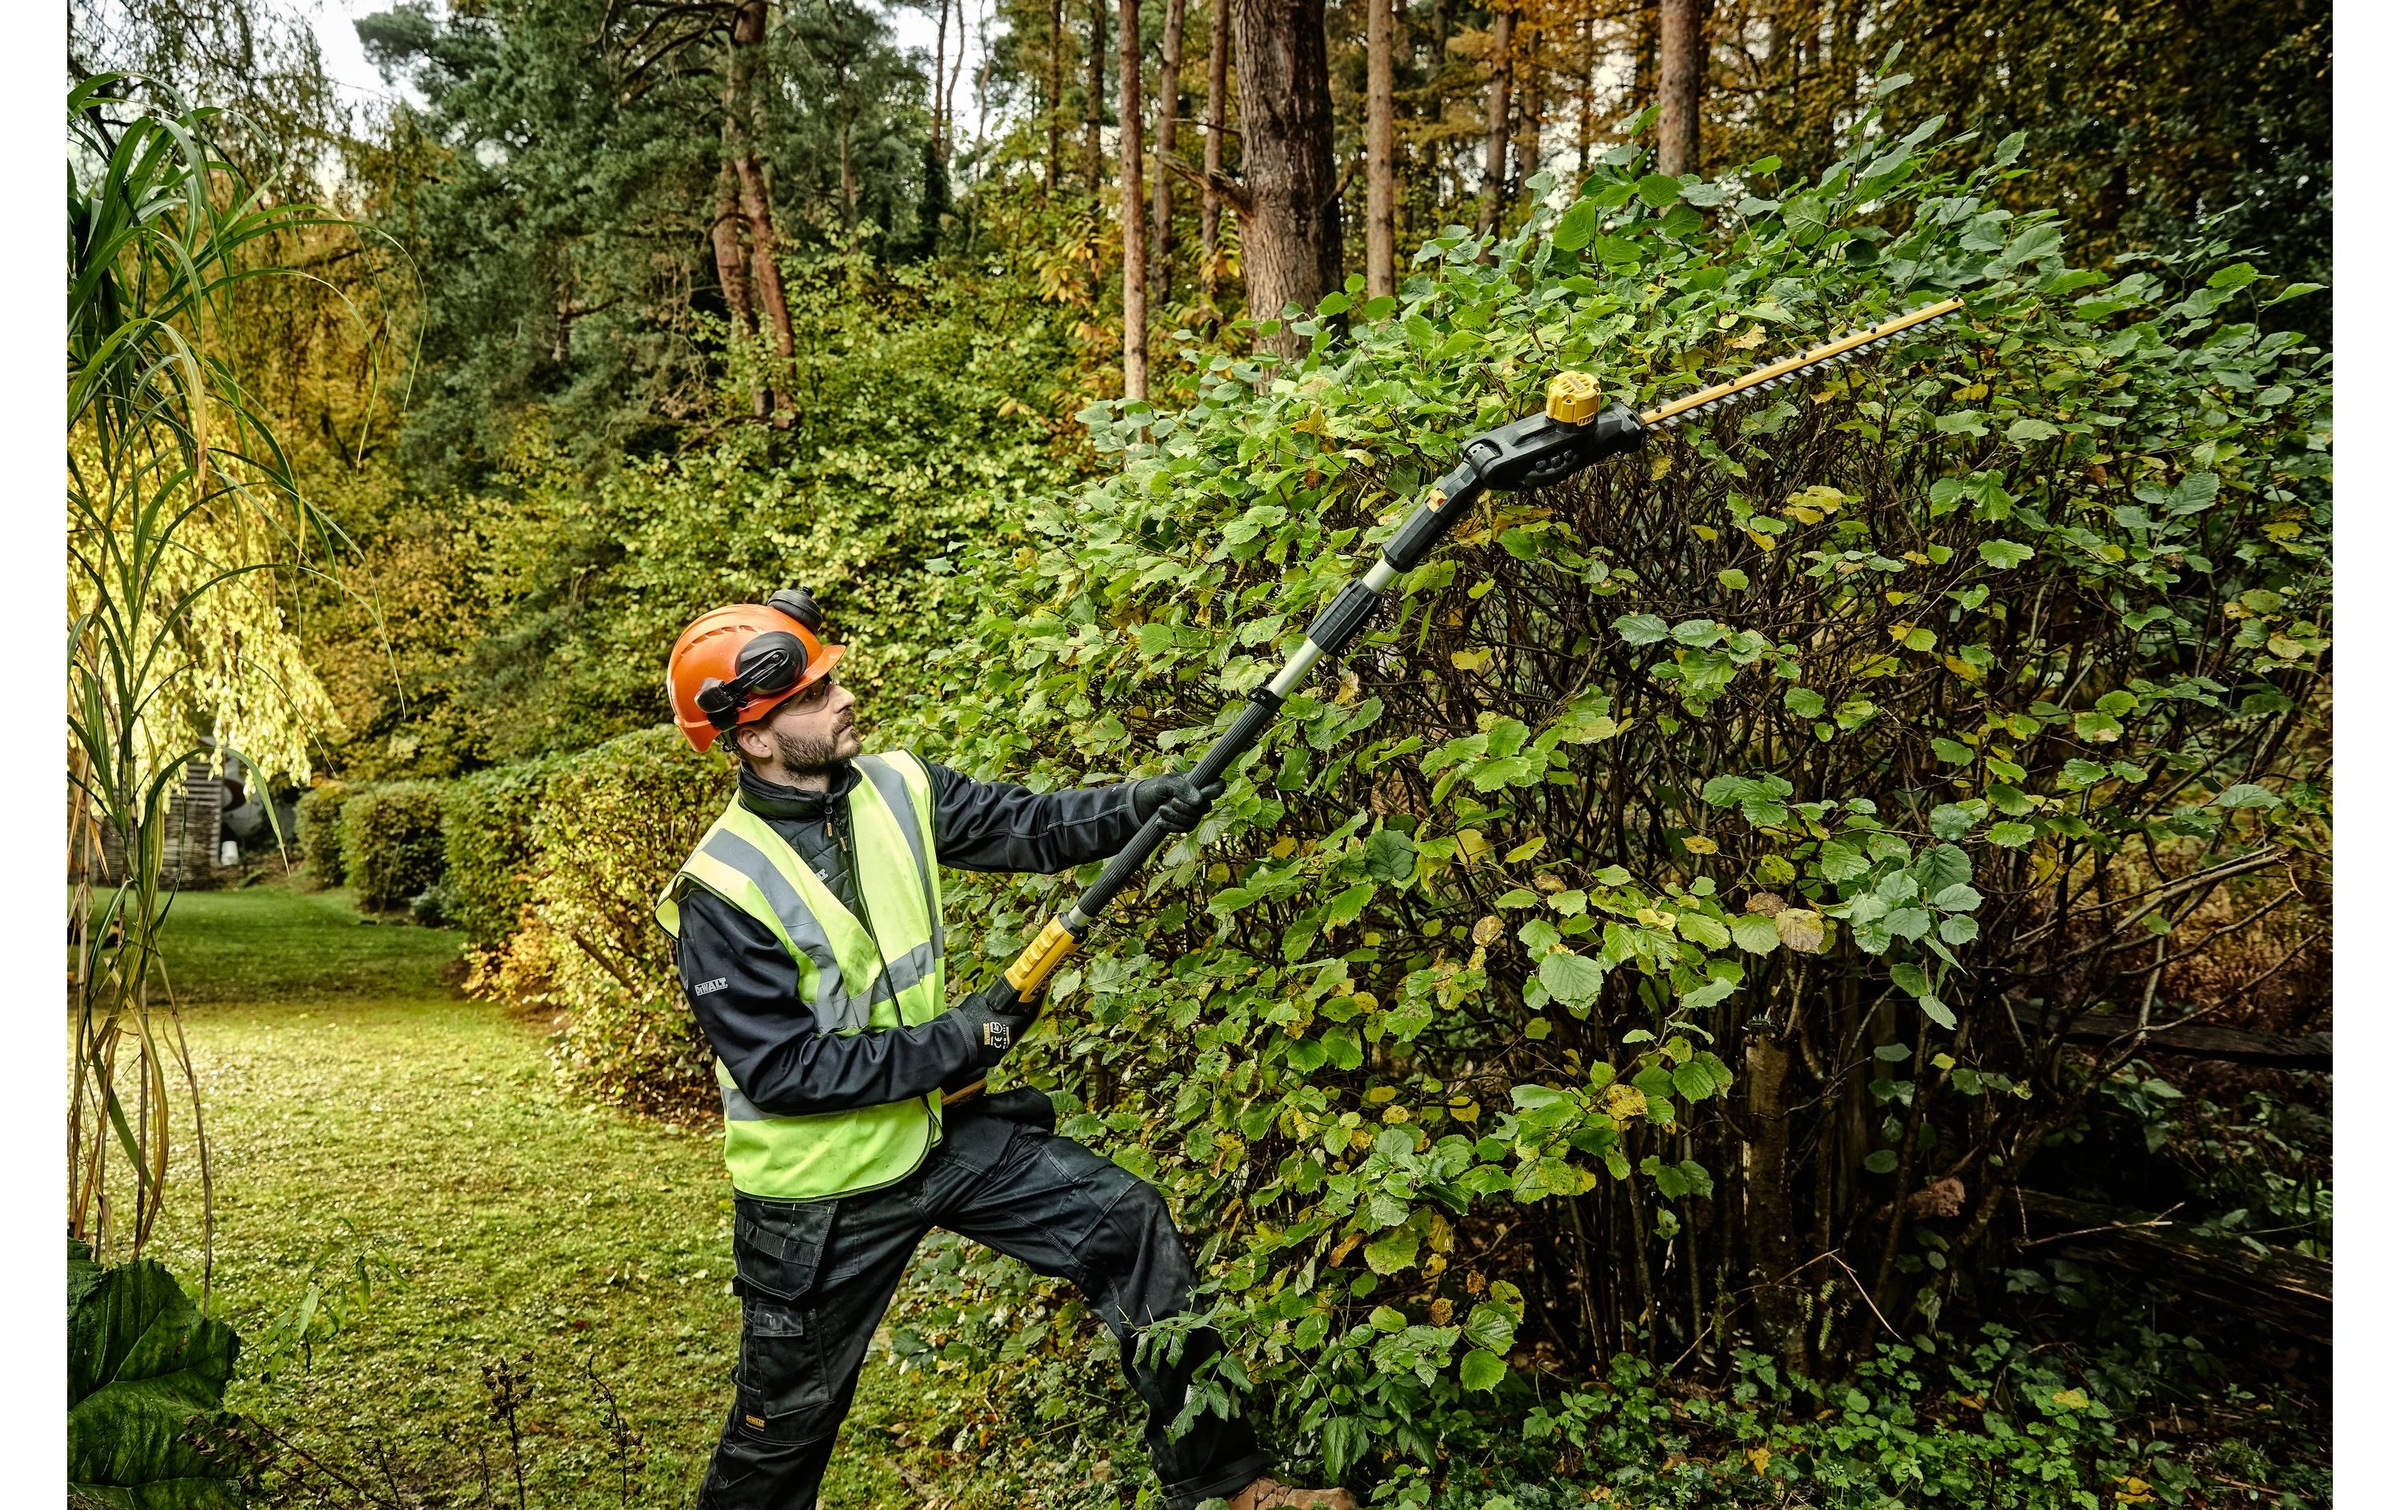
{"points": [[613, 824], [488, 847], [319, 821], [392, 842]]}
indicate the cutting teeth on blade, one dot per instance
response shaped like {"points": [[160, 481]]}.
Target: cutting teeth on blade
{"points": [[1833, 353]]}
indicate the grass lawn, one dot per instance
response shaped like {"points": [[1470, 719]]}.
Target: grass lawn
{"points": [[356, 1102]]}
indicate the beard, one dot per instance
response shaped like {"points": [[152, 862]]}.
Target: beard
{"points": [[803, 756]]}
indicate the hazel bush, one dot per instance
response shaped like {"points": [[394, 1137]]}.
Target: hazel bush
{"points": [[1659, 936]]}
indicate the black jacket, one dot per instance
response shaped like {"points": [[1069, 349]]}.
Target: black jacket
{"points": [[751, 1008]]}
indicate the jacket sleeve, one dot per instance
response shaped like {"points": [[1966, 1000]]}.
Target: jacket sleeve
{"points": [[993, 825], [745, 990]]}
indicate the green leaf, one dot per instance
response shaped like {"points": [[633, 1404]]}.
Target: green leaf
{"points": [[2033, 242], [1346, 907], [1693, 1083], [1659, 191], [1479, 1370], [2001, 555], [1933, 1008], [2029, 430], [2010, 835], [1911, 978], [1575, 228], [1572, 978], [144, 1371], [1839, 862], [1394, 1251], [1953, 752], [1882, 1161], [1391, 856], [1959, 929], [1641, 628], [1958, 897], [2247, 795], [1755, 933], [1493, 1326], [1703, 930], [1804, 702]]}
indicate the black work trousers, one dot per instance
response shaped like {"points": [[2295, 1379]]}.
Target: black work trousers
{"points": [[815, 1277]]}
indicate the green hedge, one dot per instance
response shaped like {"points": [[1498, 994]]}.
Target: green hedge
{"points": [[319, 821], [488, 847], [392, 842], [613, 824]]}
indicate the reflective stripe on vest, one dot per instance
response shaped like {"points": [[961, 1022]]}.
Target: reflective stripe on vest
{"points": [[854, 976]]}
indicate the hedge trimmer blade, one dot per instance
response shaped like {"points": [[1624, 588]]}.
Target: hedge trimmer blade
{"points": [[1803, 367]]}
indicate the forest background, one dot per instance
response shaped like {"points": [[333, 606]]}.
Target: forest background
{"points": [[637, 308]]}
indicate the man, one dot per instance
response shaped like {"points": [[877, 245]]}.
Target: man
{"points": [[808, 933]]}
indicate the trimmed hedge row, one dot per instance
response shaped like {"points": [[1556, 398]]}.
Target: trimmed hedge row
{"points": [[608, 828], [392, 842], [488, 847], [319, 820]]}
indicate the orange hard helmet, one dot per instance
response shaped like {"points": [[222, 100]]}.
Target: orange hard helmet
{"points": [[736, 665]]}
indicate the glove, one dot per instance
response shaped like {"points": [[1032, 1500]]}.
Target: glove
{"points": [[998, 1020], [1178, 800]]}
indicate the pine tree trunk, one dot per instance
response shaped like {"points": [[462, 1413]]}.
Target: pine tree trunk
{"points": [[1130, 198], [1091, 97], [725, 240], [1682, 74], [1290, 213], [1495, 120], [1379, 148], [758, 216], [1170, 105], [1212, 148]]}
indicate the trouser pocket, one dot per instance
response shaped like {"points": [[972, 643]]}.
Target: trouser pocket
{"points": [[783, 1389]]}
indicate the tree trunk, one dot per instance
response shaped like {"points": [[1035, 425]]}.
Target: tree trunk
{"points": [[1290, 213], [1057, 82], [1091, 97], [1212, 147], [1379, 148], [725, 239], [1584, 64], [1130, 198], [758, 216], [941, 42], [1170, 105], [958, 60], [1495, 121], [1682, 74]]}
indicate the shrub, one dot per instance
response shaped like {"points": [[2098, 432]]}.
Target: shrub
{"points": [[1677, 902], [615, 823], [392, 842], [488, 847], [319, 821]]}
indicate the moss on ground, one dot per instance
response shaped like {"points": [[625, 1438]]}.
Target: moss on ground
{"points": [[356, 1103]]}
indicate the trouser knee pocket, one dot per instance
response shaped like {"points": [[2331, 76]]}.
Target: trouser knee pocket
{"points": [[782, 1386]]}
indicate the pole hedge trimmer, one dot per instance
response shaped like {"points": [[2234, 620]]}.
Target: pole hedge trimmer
{"points": [[1571, 433]]}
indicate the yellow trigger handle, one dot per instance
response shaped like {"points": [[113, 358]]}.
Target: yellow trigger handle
{"points": [[1041, 958]]}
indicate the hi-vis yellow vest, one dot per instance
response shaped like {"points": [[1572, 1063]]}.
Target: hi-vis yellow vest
{"points": [[853, 979]]}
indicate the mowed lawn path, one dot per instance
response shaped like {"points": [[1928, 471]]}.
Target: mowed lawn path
{"points": [[357, 1102]]}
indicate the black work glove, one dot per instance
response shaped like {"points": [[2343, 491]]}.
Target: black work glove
{"points": [[998, 1020], [1178, 800]]}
